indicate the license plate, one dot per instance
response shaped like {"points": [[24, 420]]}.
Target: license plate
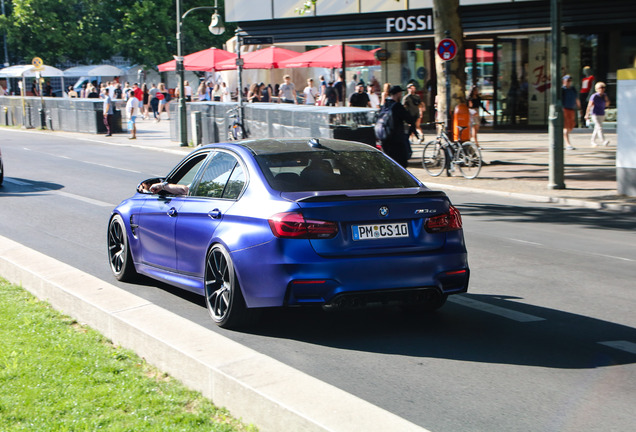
{"points": [[380, 231]]}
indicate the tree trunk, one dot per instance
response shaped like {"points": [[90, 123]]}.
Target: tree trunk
{"points": [[448, 25]]}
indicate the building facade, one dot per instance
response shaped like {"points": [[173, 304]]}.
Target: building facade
{"points": [[507, 44]]}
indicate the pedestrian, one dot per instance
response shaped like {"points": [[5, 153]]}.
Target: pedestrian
{"points": [[48, 89], [397, 144], [154, 102], [359, 98], [571, 103], [587, 83], [83, 92], [474, 105], [71, 92], [132, 110], [225, 92], [91, 91], [216, 93], [416, 108], [373, 96], [145, 100], [322, 87], [596, 112], [385, 93], [108, 111], [310, 93], [330, 97], [161, 98], [339, 86], [287, 91], [266, 92], [118, 91], [188, 91], [352, 86], [254, 94]]}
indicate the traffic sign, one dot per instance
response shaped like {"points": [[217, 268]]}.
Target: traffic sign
{"points": [[447, 49], [37, 63]]}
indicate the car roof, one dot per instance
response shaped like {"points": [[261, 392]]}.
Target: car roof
{"points": [[276, 146]]}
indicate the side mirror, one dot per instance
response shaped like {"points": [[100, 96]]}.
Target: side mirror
{"points": [[144, 186]]}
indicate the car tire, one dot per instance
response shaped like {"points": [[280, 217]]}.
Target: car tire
{"points": [[223, 296], [1, 172], [119, 256]]}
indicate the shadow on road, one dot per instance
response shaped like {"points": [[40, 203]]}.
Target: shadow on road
{"points": [[590, 218], [16, 187], [561, 340]]}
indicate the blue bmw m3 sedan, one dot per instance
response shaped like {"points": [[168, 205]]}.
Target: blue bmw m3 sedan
{"points": [[269, 223]]}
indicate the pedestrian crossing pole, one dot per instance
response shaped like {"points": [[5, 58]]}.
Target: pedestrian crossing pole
{"points": [[555, 124]]}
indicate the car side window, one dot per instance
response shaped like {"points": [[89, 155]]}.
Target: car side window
{"points": [[216, 175], [236, 183], [186, 173]]}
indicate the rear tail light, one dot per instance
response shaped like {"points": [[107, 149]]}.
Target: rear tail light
{"points": [[294, 225], [450, 221]]}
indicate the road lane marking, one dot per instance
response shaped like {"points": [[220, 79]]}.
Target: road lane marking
{"points": [[622, 345], [83, 161], [78, 197], [495, 310], [570, 250], [526, 242]]}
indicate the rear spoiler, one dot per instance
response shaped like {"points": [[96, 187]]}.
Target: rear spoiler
{"points": [[345, 197]]}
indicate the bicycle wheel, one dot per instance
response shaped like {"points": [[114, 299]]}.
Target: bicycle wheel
{"points": [[469, 160], [434, 158]]}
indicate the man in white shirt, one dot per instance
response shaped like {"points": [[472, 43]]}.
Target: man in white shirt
{"points": [[310, 93], [132, 110]]}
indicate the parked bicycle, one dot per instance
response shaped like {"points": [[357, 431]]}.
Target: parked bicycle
{"points": [[445, 154], [236, 129]]}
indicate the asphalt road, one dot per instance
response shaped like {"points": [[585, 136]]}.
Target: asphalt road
{"points": [[544, 341]]}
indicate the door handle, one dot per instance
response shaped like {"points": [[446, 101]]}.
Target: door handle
{"points": [[172, 212], [215, 214]]}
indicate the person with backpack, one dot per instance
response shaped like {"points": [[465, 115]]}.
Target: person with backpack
{"points": [[389, 127]]}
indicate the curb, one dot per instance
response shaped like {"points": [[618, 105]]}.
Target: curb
{"points": [[252, 386]]}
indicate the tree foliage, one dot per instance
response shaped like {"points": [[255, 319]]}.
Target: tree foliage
{"points": [[91, 31]]}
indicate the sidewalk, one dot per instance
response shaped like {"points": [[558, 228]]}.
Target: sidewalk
{"points": [[516, 164]]}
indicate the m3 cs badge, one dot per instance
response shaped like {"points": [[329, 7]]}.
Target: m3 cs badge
{"points": [[425, 211]]}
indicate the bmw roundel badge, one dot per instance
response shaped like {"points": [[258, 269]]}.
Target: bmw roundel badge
{"points": [[384, 211]]}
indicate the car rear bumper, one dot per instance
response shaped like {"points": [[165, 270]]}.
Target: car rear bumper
{"points": [[311, 279]]}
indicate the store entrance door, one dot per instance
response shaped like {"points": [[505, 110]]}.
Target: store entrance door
{"points": [[480, 73]]}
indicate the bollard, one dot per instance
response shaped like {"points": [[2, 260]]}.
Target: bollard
{"points": [[42, 118], [197, 128]]}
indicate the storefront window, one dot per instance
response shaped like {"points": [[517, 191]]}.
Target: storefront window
{"points": [[403, 63]]}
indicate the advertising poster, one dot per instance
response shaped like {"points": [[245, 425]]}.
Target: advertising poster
{"points": [[538, 80]]}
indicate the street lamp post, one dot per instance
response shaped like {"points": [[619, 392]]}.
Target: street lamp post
{"points": [[555, 127], [216, 28]]}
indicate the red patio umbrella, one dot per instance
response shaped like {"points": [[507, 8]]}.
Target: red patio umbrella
{"points": [[266, 58], [331, 57], [206, 60]]}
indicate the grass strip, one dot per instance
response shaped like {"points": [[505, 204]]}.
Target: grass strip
{"points": [[58, 375]]}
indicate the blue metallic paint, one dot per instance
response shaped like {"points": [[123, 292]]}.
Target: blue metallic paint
{"points": [[173, 248]]}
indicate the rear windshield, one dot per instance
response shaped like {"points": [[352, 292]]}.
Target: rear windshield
{"points": [[330, 170]]}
